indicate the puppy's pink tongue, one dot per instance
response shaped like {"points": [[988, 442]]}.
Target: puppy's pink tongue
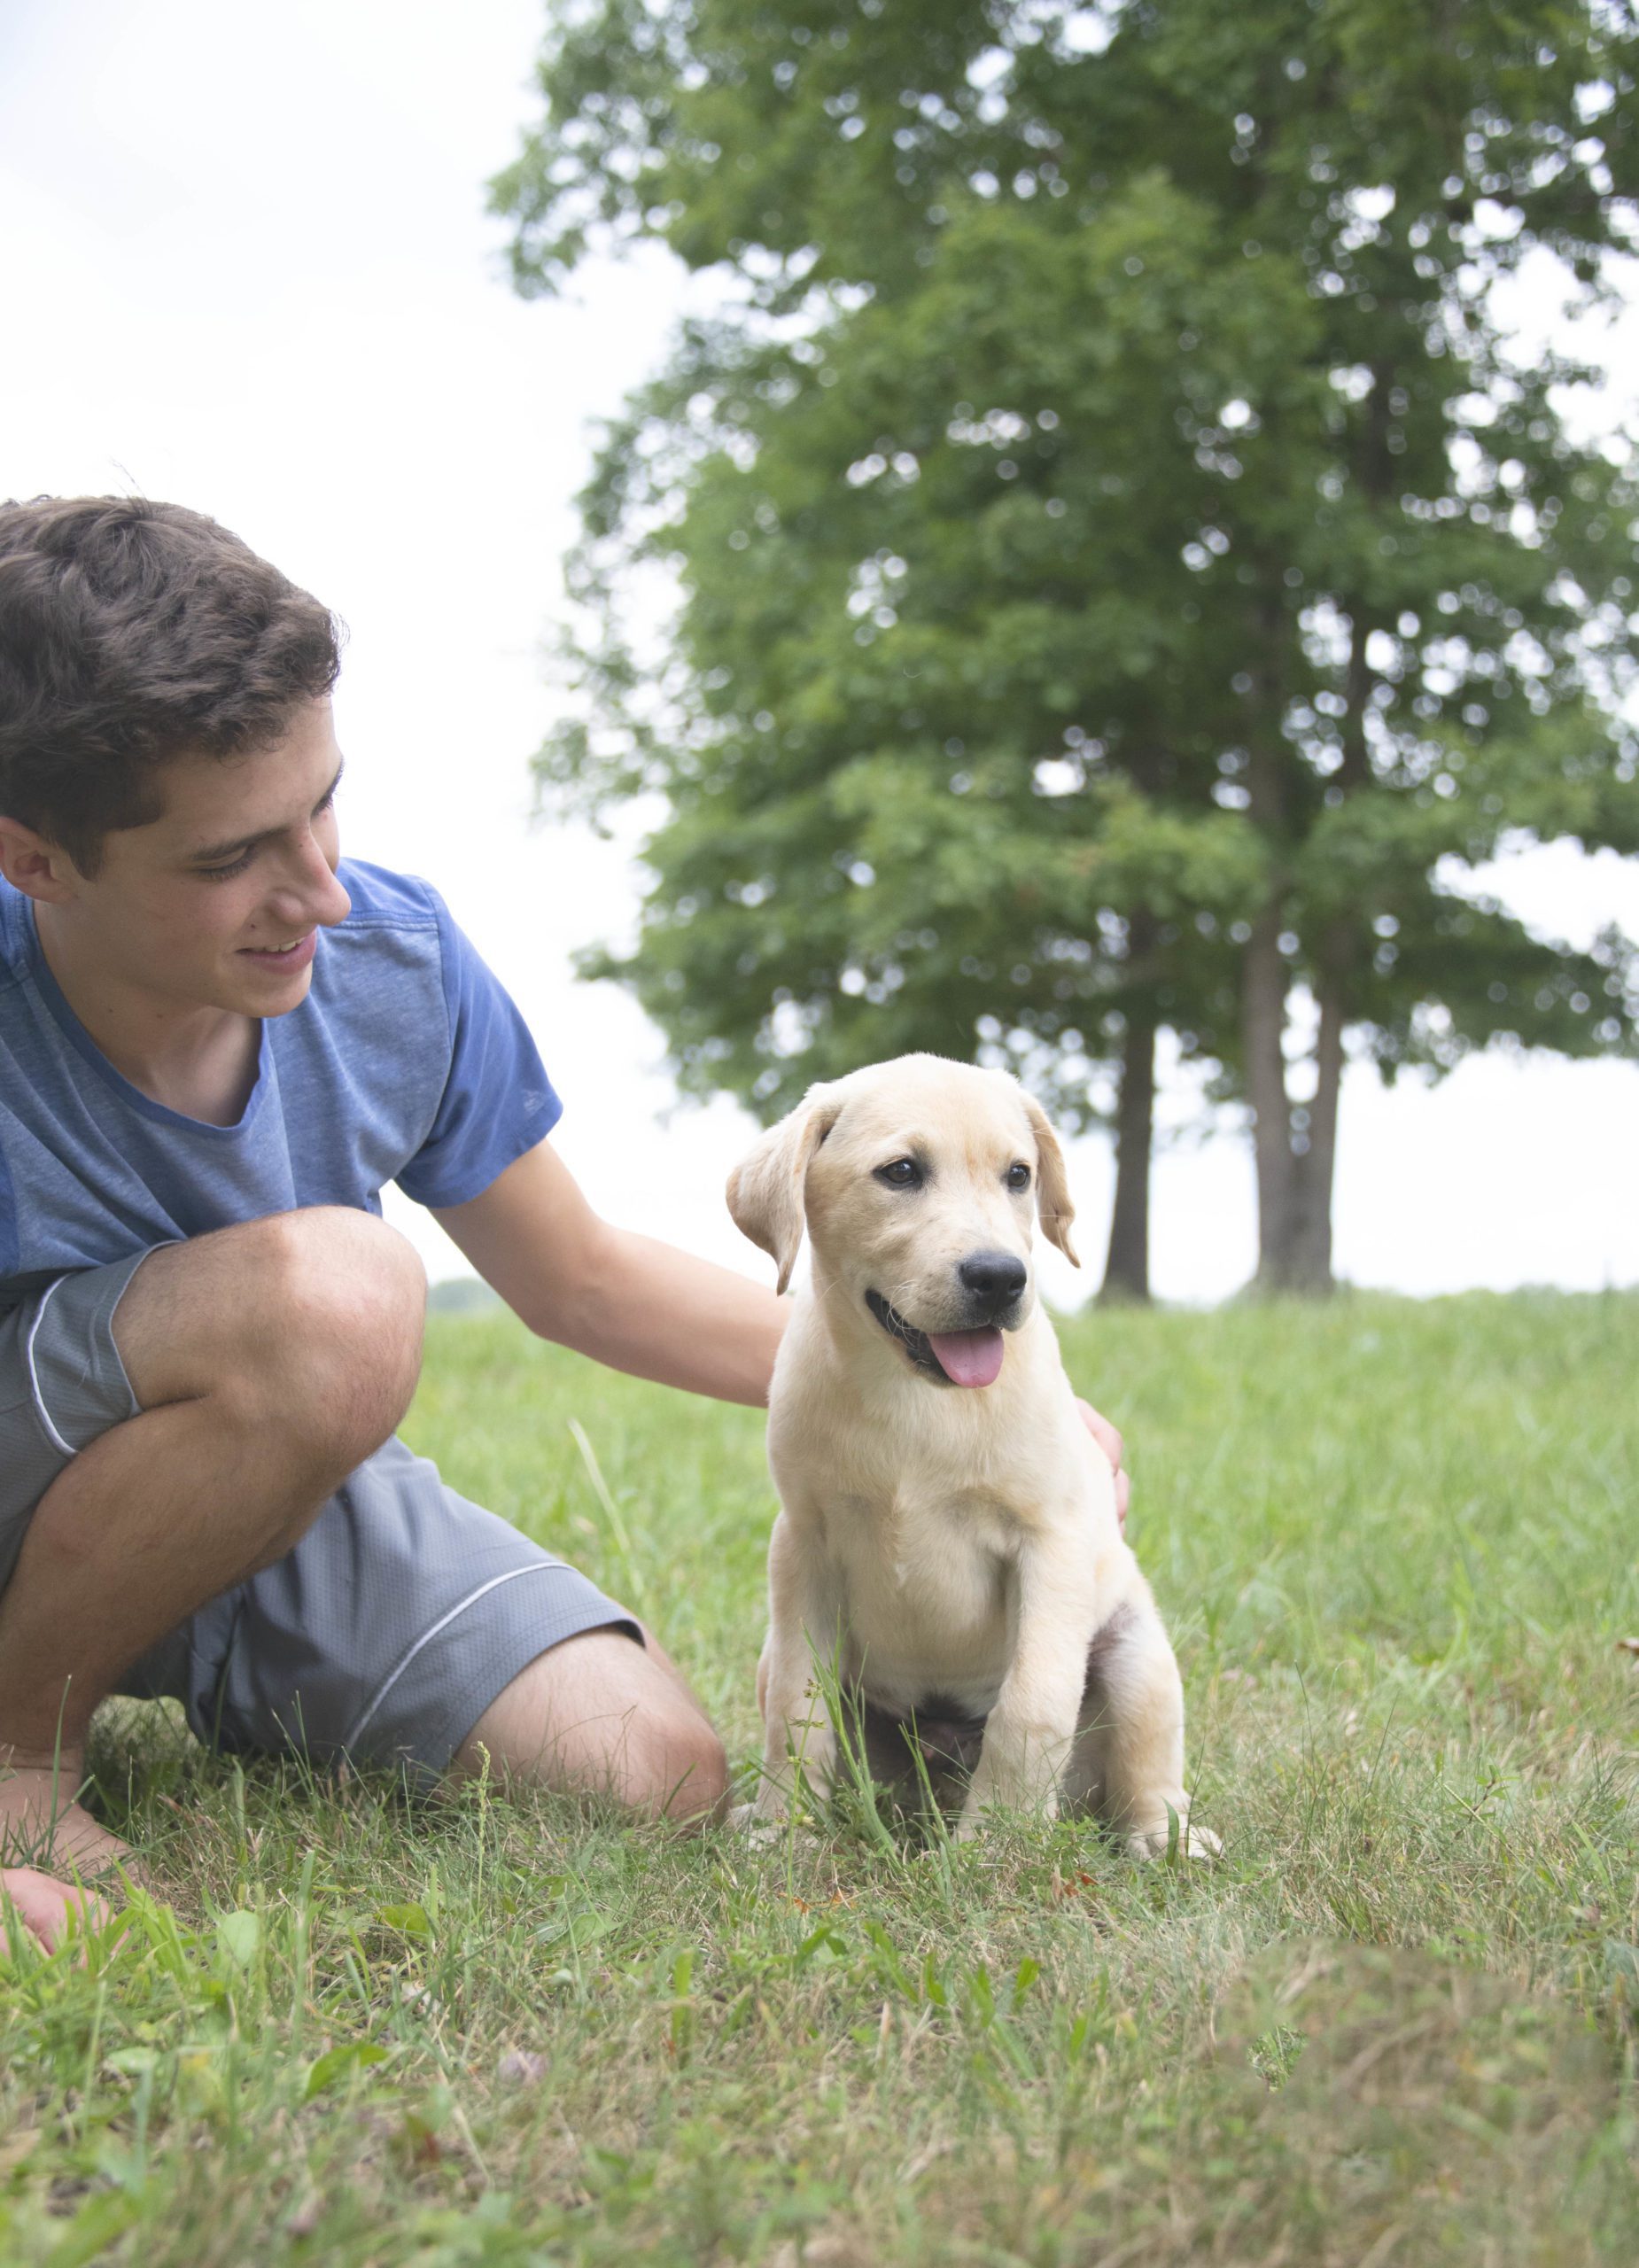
{"points": [[968, 1357]]}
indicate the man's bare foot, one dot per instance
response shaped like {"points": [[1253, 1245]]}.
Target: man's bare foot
{"points": [[48, 1910], [40, 1820]]}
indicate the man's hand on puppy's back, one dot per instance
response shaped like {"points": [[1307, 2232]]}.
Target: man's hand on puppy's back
{"points": [[1110, 1441]]}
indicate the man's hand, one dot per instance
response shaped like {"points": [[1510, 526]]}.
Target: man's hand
{"points": [[48, 1910], [1109, 1441]]}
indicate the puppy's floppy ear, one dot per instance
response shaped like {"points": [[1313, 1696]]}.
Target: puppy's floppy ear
{"points": [[1053, 1190], [765, 1188]]}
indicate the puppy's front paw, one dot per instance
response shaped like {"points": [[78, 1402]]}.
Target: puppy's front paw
{"points": [[1193, 1842], [765, 1824], [760, 1823]]}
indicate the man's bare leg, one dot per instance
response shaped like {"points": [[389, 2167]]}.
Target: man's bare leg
{"points": [[599, 1715], [269, 1360]]}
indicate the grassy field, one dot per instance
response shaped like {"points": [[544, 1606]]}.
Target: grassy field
{"points": [[1398, 1547]]}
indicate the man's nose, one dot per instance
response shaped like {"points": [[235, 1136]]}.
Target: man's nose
{"points": [[332, 903], [994, 1276], [312, 890]]}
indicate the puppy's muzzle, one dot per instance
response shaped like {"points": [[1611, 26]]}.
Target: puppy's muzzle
{"points": [[992, 1286]]}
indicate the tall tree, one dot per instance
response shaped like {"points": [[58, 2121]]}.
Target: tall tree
{"points": [[1126, 573], [962, 807]]}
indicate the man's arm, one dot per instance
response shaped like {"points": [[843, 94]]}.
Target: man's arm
{"points": [[626, 1299]]}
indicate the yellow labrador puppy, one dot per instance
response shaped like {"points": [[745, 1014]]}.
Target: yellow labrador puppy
{"points": [[948, 1534]]}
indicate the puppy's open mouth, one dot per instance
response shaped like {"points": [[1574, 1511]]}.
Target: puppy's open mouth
{"points": [[954, 1357]]}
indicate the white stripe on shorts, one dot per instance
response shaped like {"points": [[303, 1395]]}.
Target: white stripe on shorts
{"points": [[535, 1567], [67, 1447]]}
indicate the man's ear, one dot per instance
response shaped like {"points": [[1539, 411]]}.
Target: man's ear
{"points": [[765, 1188], [32, 865], [1053, 1190]]}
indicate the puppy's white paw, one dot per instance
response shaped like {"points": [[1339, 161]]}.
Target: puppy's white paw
{"points": [[764, 1828], [975, 1826], [1194, 1842], [758, 1826]]}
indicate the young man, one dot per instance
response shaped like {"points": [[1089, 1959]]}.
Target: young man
{"points": [[218, 1042]]}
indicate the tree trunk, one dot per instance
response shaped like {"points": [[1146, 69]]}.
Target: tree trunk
{"points": [[1264, 1023], [1296, 1152], [1127, 1268], [1316, 1153]]}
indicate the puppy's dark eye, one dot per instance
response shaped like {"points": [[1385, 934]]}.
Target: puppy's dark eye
{"points": [[904, 1173], [1018, 1177]]}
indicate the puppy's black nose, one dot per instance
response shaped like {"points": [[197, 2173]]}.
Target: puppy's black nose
{"points": [[994, 1276]]}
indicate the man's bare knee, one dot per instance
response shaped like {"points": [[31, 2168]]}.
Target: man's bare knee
{"points": [[340, 1340], [597, 1715], [681, 1773], [307, 1323]]}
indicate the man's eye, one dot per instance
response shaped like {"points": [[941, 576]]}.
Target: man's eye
{"points": [[1018, 1177], [904, 1173], [223, 874]]}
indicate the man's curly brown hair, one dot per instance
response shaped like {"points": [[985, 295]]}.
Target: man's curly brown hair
{"points": [[132, 634]]}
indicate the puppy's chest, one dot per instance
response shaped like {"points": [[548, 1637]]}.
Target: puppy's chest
{"points": [[929, 1587]]}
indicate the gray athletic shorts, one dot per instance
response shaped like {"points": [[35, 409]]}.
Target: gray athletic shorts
{"points": [[384, 1636]]}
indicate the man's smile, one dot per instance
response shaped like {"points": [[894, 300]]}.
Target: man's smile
{"points": [[294, 955]]}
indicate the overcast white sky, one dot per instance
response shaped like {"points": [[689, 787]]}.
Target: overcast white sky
{"points": [[245, 266]]}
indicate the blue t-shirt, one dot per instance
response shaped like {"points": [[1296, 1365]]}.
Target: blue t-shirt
{"points": [[406, 1062]]}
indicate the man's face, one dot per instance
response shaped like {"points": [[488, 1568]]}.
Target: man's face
{"points": [[218, 903]]}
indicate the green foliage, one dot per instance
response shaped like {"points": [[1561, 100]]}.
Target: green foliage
{"points": [[1395, 1545], [1110, 522]]}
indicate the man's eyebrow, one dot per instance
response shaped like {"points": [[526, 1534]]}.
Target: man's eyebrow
{"points": [[212, 852]]}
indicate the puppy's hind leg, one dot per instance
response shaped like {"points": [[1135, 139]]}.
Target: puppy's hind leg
{"points": [[1127, 1763]]}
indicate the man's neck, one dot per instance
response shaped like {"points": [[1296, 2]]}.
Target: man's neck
{"points": [[197, 1060]]}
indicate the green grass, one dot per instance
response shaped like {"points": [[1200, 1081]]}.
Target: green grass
{"points": [[1398, 1547]]}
